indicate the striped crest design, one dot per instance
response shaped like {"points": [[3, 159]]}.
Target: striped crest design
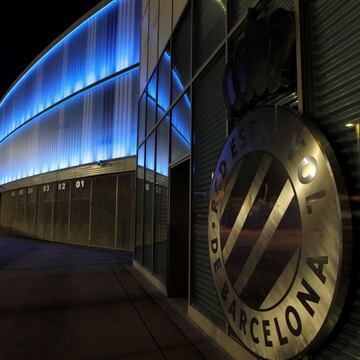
{"points": [[260, 230]]}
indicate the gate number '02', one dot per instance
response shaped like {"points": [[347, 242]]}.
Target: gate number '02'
{"points": [[62, 186]]}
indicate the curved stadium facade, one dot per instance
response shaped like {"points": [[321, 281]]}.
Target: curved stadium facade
{"points": [[71, 115]]}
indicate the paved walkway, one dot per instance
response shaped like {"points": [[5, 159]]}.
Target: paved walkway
{"points": [[62, 302]]}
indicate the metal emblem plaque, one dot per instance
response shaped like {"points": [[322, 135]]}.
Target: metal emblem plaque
{"points": [[277, 215]]}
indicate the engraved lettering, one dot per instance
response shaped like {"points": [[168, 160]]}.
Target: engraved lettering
{"points": [[311, 199], [310, 296], [295, 330], [252, 322], [266, 324], [316, 264]]}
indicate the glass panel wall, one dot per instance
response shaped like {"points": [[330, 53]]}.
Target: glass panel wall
{"points": [[139, 204], [161, 199], [149, 201], [142, 117], [180, 129], [167, 137], [181, 52], [151, 104], [191, 52], [164, 84]]}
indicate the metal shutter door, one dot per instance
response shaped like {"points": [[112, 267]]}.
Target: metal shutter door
{"points": [[209, 133], [333, 101]]}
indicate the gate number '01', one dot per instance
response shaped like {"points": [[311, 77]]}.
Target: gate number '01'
{"points": [[80, 184]]}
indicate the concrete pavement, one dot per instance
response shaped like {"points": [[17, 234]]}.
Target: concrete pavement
{"points": [[65, 302]]}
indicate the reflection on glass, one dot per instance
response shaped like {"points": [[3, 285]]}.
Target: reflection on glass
{"points": [[181, 56], [162, 150], [238, 10], [164, 84], [142, 116], [161, 200], [180, 129], [139, 204], [153, 192], [282, 251], [151, 100], [149, 201], [152, 86]]}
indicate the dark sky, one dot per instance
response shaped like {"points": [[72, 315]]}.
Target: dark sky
{"points": [[29, 26]]}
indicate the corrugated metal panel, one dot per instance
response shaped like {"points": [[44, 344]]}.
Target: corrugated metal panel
{"points": [[209, 132], [8, 201], [103, 207], [275, 4], [110, 167], [140, 182], [285, 98], [334, 84], [149, 202], [30, 210], [125, 212], [161, 216], [238, 10], [80, 211], [45, 211], [209, 29], [20, 212], [61, 211]]}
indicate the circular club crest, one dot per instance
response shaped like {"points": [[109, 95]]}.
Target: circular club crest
{"points": [[276, 238]]}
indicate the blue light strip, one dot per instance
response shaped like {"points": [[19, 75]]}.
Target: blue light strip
{"points": [[96, 124], [77, 104], [104, 44], [73, 96], [51, 51]]}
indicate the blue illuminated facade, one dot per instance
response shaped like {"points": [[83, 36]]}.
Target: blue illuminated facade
{"points": [[95, 125], [158, 95], [77, 104]]}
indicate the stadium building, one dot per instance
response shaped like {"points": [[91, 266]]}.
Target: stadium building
{"points": [[219, 140]]}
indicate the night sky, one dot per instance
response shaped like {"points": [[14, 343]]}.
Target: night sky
{"points": [[28, 27]]}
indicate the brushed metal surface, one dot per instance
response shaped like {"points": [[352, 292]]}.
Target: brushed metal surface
{"points": [[245, 209], [266, 235], [305, 235]]}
